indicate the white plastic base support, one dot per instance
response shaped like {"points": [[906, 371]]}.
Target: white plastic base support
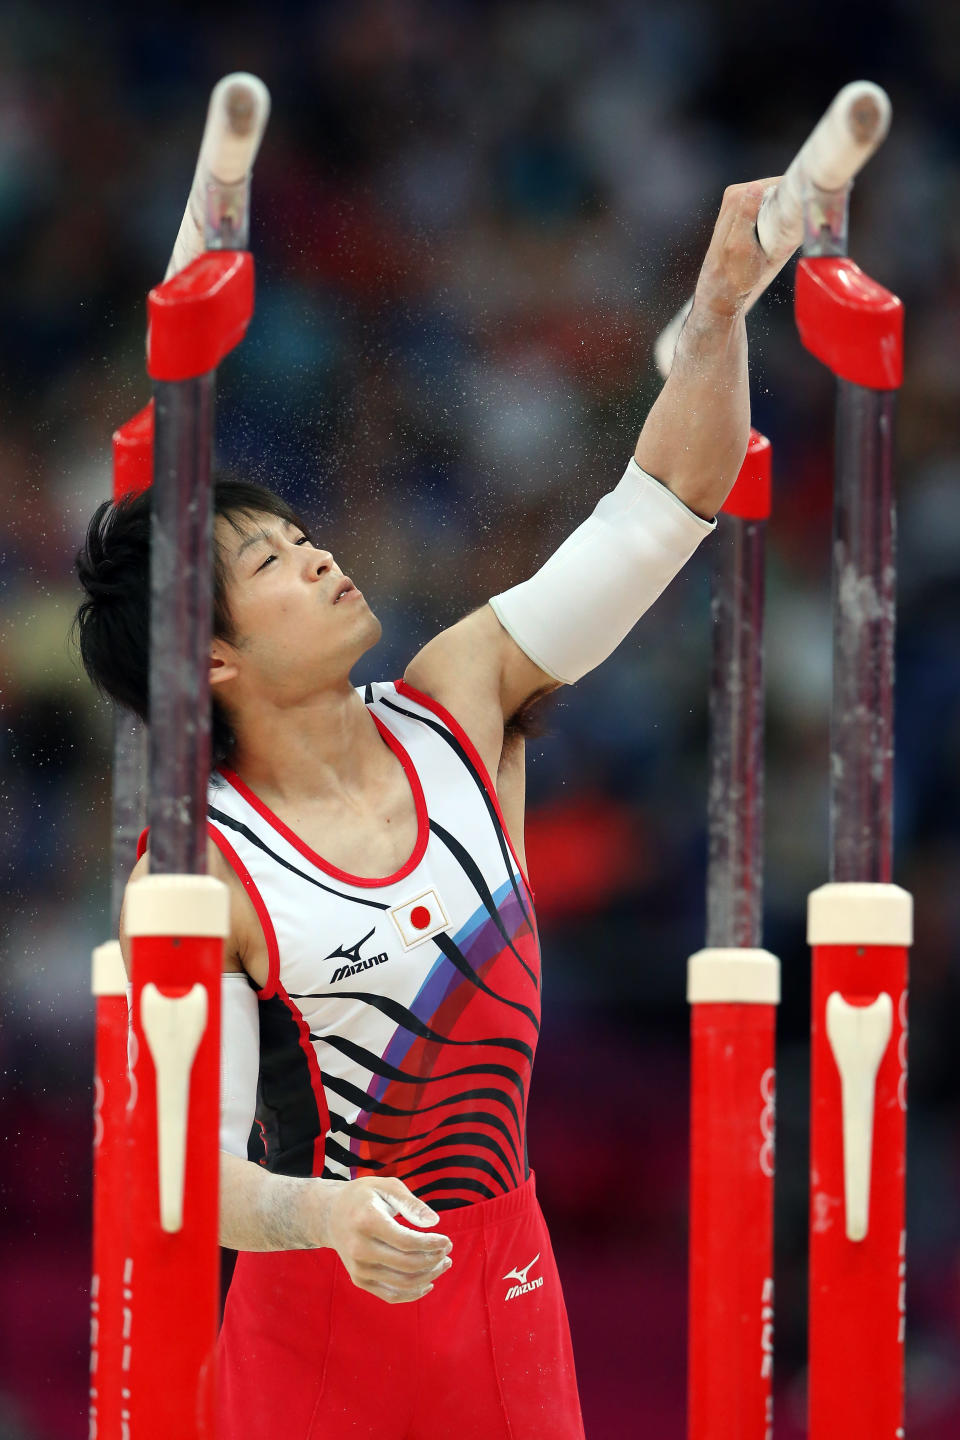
{"points": [[730, 977], [173, 1027], [860, 914], [859, 1036]]}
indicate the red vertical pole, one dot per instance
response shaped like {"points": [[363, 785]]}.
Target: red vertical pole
{"points": [[733, 1098], [177, 925], [734, 987], [132, 472], [859, 925], [860, 936], [109, 1170]]}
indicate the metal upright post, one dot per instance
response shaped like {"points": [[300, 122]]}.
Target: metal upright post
{"points": [[734, 987], [177, 917], [859, 925], [181, 599]]}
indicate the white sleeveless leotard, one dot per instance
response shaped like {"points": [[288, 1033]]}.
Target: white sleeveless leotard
{"points": [[400, 1016]]}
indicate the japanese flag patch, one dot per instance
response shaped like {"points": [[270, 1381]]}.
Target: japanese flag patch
{"points": [[420, 918]]}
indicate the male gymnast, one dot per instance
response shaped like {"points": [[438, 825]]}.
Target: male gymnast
{"points": [[381, 985]]}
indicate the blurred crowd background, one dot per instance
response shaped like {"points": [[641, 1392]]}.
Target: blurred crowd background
{"points": [[470, 221]]}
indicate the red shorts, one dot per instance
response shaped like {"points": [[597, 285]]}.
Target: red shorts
{"points": [[306, 1355]]}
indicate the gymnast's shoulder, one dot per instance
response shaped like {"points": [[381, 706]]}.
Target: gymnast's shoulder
{"points": [[243, 945]]}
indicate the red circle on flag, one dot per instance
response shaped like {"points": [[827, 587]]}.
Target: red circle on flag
{"points": [[420, 917]]}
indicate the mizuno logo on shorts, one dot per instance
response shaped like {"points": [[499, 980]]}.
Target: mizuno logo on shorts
{"points": [[525, 1285]]}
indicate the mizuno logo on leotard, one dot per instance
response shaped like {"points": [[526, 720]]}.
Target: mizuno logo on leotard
{"points": [[357, 961], [525, 1285]]}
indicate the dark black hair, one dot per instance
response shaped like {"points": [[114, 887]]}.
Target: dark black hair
{"points": [[112, 625]]}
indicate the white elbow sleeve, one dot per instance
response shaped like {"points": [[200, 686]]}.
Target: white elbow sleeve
{"points": [[239, 1060], [576, 609]]}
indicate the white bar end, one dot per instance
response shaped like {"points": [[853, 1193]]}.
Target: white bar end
{"points": [[178, 905], [108, 974], [860, 914], [730, 977]]}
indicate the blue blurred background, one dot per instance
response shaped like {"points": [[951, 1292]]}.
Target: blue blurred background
{"points": [[470, 222]]}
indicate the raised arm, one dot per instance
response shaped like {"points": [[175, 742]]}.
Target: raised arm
{"points": [[576, 609], [695, 437]]}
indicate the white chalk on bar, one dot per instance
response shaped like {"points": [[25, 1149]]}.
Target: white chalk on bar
{"points": [[853, 129], [236, 119]]}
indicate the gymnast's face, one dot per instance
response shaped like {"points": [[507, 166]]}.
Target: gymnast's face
{"points": [[299, 624]]}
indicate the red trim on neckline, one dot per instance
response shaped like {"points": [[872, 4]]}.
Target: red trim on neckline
{"points": [[442, 713], [366, 881], [263, 914]]}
